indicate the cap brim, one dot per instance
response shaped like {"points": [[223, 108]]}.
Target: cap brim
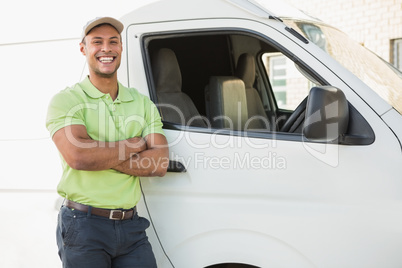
{"points": [[108, 20]]}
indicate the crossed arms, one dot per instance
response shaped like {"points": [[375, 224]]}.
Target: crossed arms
{"points": [[136, 156]]}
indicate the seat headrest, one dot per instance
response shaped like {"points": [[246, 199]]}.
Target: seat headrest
{"points": [[245, 69], [227, 102], [166, 71]]}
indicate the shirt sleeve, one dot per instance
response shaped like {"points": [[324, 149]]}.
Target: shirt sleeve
{"points": [[63, 111], [152, 119]]}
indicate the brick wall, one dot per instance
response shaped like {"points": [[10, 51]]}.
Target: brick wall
{"points": [[373, 23]]}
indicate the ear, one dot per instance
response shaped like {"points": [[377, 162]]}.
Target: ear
{"points": [[82, 48]]}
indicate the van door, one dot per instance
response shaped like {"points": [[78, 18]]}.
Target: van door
{"points": [[269, 198]]}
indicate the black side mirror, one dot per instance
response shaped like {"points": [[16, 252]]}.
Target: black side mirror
{"points": [[327, 114]]}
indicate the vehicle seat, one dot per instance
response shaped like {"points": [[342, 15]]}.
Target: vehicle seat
{"points": [[226, 102], [245, 70], [174, 105]]}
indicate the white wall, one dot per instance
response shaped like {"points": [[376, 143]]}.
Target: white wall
{"points": [[39, 48]]}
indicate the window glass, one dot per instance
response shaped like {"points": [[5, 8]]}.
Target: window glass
{"points": [[398, 53], [375, 72], [290, 87]]}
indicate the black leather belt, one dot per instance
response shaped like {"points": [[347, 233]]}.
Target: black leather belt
{"points": [[113, 214]]}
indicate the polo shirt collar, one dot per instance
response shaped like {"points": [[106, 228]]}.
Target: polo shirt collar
{"points": [[90, 89], [123, 94]]}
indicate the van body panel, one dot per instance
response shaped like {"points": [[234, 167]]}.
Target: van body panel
{"points": [[313, 203], [393, 119]]}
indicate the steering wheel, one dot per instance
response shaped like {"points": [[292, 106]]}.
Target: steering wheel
{"points": [[295, 121]]}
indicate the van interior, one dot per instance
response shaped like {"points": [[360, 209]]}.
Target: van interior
{"points": [[235, 81]]}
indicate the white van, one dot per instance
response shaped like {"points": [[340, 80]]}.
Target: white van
{"points": [[285, 139]]}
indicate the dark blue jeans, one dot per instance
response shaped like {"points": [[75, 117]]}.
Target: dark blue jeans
{"points": [[87, 241]]}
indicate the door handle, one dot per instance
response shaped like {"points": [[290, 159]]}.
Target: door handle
{"points": [[176, 166]]}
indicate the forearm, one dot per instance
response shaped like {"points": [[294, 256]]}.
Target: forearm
{"points": [[148, 163], [151, 162], [83, 153], [94, 155]]}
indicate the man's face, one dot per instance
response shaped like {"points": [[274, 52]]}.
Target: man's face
{"points": [[102, 48]]}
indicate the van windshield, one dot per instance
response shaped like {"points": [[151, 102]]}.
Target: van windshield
{"points": [[378, 74]]}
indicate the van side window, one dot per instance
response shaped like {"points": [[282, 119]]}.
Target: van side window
{"points": [[223, 81], [289, 86]]}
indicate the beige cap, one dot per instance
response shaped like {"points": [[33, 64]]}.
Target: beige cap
{"points": [[101, 20]]}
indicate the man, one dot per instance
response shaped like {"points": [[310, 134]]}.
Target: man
{"points": [[107, 135]]}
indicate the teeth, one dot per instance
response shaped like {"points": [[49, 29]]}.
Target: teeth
{"points": [[106, 59]]}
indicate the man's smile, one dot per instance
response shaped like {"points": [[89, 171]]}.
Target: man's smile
{"points": [[106, 59]]}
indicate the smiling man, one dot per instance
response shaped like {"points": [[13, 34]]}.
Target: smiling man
{"points": [[104, 133]]}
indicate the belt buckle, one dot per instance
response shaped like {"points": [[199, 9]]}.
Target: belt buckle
{"points": [[116, 211]]}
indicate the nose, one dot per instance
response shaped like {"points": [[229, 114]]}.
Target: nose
{"points": [[106, 47]]}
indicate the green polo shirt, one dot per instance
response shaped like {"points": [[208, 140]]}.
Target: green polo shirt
{"points": [[131, 114]]}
